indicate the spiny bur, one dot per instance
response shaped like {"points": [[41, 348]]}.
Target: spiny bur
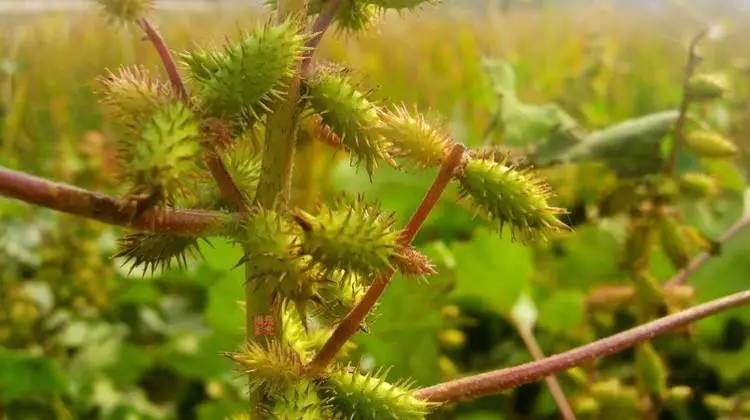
{"points": [[370, 397], [242, 82], [515, 197], [413, 138], [350, 115], [165, 154], [125, 11], [156, 251], [273, 366], [298, 401], [353, 236], [131, 96]]}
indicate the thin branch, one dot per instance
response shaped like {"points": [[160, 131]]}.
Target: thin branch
{"points": [[566, 412], [319, 28], [679, 128], [500, 380], [106, 209], [697, 262], [166, 58], [352, 322], [227, 187]]}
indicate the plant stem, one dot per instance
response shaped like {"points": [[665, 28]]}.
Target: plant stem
{"points": [[166, 58], [566, 412], [321, 24], [500, 380], [679, 128], [697, 262], [107, 209], [351, 323]]}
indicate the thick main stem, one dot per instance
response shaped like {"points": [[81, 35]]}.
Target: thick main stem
{"points": [[351, 323], [110, 210], [500, 380]]}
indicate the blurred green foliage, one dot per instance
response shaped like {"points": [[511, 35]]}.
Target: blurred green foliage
{"points": [[82, 338]]}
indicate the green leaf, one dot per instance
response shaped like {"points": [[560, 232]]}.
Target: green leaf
{"points": [[562, 311], [23, 375], [492, 268]]}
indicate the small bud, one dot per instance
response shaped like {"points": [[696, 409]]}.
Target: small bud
{"points": [[719, 404], [450, 312], [411, 262], [708, 86], [448, 369], [679, 394], [674, 242], [638, 244], [451, 338], [710, 144], [586, 407], [698, 184]]}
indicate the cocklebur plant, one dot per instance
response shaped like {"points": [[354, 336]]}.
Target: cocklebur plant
{"points": [[215, 158]]}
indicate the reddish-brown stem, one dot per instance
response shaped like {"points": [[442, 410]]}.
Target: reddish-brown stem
{"points": [[353, 320], [166, 57], [319, 28], [566, 412], [101, 207], [697, 262], [500, 380], [227, 187], [679, 128]]}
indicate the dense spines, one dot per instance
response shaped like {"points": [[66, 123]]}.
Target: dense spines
{"points": [[244, 167], [350, 115], [352, 236], [156, 251], [413, 138], [511, 196], [131, 96], [370, 397], [241, 82], [298, 401], [271, 367], [125, 10], [356, 15], [165, 154]]}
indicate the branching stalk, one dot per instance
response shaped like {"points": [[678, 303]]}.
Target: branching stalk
{"points": [[106, 209], [679, 128], [351, 323], [566, 412], [500, 380], [697, 262]]}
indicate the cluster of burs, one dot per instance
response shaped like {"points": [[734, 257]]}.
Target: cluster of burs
{"points": [[317, 264]]}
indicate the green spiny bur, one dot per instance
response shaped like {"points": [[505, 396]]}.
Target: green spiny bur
{"points": [[244, 167], [352, 236], [413, 138], [298, 401], [131, 96], [125, 10], [165, 154], [156, 251], [511, 196], [242, 81], [370, 397], [356, 15], [349, 114], [271, 367]]}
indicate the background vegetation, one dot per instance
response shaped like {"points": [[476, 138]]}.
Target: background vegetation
{"points": [[81, 337]]}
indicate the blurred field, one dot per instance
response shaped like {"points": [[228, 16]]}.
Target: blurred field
{"points": [[118, 345]]}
